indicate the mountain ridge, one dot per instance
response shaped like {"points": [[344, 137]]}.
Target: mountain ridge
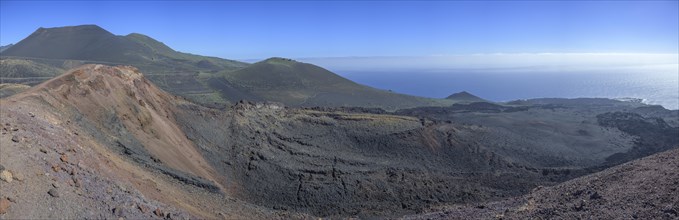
{"points": [[302, 84], [209, 81]]}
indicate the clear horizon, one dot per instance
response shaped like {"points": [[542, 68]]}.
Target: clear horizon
{"points": [[257, 30]]}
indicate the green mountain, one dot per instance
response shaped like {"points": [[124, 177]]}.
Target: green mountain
{"points": [[62, 48], [301, 84], [93, 43], [206, 80]]}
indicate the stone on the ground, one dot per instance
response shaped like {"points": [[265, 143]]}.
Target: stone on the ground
{"points": [[15, 138], [54, 193], [4, 205], [159, 212], [143, 208], [76, 181], [64, 158], [118, 211], [19, 176], [6, 176]]}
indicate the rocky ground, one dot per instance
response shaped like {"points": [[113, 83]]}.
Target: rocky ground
{"points": [[49, 171], [104, 142], [55, 167], [646, 188]]}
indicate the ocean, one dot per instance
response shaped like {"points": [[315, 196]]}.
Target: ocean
{"points": [[657, 85]]}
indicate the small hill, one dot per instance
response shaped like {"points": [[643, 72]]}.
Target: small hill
{"points": [[301, 84], [3, 48], [8, 89], [464, 96], [19, 68]]}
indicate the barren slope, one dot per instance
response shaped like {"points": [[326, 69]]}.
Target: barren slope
{"points": [[642, 189], [104, 139]]}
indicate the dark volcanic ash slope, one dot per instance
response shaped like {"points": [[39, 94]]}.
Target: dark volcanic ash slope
{"points": [[646, 188], [334, 163], [564, 133]]}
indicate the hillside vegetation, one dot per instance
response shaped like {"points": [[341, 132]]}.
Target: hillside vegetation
{"points": [[301, 84]]}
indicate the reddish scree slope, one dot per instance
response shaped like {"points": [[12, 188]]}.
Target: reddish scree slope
{"points": [[145, 110]]}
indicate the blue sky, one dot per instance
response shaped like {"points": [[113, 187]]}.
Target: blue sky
{"points": [[242, 30]]}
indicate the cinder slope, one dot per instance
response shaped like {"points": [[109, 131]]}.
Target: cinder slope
{"points": [[349, 162], [121, 94], [646, 188]]}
